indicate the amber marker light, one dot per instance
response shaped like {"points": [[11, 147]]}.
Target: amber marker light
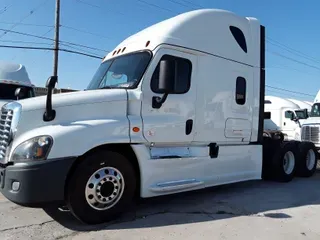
{"points": [[135, 129]]}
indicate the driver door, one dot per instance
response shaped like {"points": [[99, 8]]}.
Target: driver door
{"points": [[173, 123], [289, 126]]}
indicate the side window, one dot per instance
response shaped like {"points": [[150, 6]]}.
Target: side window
{"points": [[288, 114], [239, 37], [182, 75], [241, 88]]}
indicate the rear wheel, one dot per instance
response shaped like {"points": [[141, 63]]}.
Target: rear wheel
{"points": [[101, 187], [284, 162], [307, 163]]}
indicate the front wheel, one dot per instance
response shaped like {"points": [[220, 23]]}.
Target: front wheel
{"points": [[101, 187]]}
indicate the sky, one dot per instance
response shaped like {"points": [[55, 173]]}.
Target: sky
{"points": [[292, 30]]}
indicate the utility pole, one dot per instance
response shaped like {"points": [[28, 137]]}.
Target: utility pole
{"points": [[56, 39]]}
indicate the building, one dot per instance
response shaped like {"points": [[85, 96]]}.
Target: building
{"points": [[40, 91]]}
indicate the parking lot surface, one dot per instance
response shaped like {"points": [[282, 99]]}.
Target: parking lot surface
{"points": [[251, 210]]}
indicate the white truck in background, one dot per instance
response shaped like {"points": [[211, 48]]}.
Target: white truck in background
{"points": [[310, 130], [302, 105], [286, 116], [175, 107], [15, 83]]}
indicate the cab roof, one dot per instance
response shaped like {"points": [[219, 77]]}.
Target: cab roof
{"points": [[212, 31]]}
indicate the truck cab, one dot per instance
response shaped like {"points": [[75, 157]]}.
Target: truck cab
{"points": [[173, 108], [286, 116], [311, 127], [14, 79]]}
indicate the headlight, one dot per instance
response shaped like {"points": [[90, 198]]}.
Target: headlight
{"points": [[36, 148]]}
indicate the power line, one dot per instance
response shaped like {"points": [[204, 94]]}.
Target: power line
{"points": [[51, 49], [2, 11], [192, 3], [26, 24], [84, 31], [25, 42], [40, 36], [291, 50], [179, 3], [51, 39], [294, 60], [286, 90], [156, 6], [31, 12], [99, 7]]}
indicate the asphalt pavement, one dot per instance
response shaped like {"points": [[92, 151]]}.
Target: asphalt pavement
{"points": [[251, 210]]}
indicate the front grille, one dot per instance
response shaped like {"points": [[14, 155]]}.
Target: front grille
{"points": [[310, 134], [5, 131]]}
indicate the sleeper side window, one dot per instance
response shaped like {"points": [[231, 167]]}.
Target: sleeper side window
{"points": [[182, 77], [239, 37], [241, 91]]}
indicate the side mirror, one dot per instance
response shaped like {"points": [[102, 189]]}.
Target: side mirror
{"points": [[267, 115], [167, 75], [20, 93], [51, 82], [294, 118], [305, 113]]}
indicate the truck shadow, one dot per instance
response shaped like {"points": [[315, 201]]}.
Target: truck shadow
{"points": [[254, 198]]}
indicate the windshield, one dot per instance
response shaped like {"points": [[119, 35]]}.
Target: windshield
{"points": [[7, 91], [121, 72], [315, 110], [301, 114]]}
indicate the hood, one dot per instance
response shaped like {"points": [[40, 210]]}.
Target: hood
{"points": [[311, 120], [74, 98]]}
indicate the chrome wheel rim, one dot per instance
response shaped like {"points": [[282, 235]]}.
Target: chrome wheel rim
{"points": [[311, 159], [104, 188], [288, 162]]}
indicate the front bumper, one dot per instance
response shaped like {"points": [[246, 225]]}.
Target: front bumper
{"points": [[35, 184]]}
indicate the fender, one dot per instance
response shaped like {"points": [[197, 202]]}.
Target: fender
{"points": [[76, 138]]}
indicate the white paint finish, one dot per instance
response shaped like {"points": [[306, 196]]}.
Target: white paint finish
{"points": [[185, 152], [176, 31], [238, 128], [75, 98], [236, 163], [86, 119], [301, 104], [166, 126], [278, 107], [76, 138], [216, 96], [95, 124]]}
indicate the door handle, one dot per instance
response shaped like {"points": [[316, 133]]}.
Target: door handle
{"points": [[189, 124], [284, 123]]}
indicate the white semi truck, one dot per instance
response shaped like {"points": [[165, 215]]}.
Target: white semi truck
{"points": [[286, 116], [310, 130], [302, 105], [175, 107], [14, 82]]}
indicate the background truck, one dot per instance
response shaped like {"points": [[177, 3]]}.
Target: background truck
{"points": [[173, 108], [286, 116], [14, 76], [310, 130], [302, 105]]}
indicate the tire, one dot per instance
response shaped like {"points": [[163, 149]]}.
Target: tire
{"points": [[307, 163], [284, 162], [101, 187]]}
